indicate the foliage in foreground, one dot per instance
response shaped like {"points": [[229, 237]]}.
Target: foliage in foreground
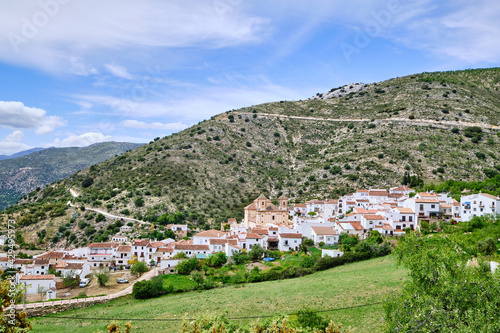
{"points": [[446, 293], [301, 322]]}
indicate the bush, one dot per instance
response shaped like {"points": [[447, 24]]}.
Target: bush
{"points": [[138, 268], [148, 289], [87, 182], [100, 217], [187, 266], [487, 247]]}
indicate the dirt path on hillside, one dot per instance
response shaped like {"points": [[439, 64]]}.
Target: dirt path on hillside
{"points": [[413, 122]]}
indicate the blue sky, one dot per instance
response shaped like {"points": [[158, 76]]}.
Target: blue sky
{"points": [[74, 72]]}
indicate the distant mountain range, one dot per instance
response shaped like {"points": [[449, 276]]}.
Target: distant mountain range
{"points": [[21, 153], [23, 172]]}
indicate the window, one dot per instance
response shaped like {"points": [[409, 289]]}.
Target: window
{"points": [[433, 206], [410, 218], [421, 207], [403, 218]]}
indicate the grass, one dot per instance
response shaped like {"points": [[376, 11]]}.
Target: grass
{"points": [[353, 284], [180, 282]]}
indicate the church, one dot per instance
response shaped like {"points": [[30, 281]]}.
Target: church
{"points": [[262, 212]]}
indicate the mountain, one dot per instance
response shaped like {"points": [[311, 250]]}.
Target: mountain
{"points": [[21, 153], [23, 174], [435, 126]]}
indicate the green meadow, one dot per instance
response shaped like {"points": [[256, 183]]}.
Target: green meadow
{"points": [[344, 286]]}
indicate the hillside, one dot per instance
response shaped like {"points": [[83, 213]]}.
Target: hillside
{"points": [[23, 174], [21, 153], [435, 125], [350, 285]]}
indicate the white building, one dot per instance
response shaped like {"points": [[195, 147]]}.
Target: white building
{"points": [[289, 241], [33, 282], [327, 235], [478, 205]]}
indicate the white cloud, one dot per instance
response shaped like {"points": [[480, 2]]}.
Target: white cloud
{"points": [[12, 143], [155, 125], [82, 140], [64, 41], [119, 71], [17, 115], [195, 104]]}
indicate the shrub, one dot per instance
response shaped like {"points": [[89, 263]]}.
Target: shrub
{"points": [[148, 289], [100, 217], [187, 266], [138, 268], [87, 182]]}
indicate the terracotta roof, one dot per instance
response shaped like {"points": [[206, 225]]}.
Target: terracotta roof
{"points": [[23, 261], [402, 188], [141, 242], [124, 248], [273, 228], [254, 236], [273, 239], [290, 235], [74, 265], [166, 249], [41, 261], [426, 201], [445, 205], [300, 205], [52, 255], [102, 245], [362, 200], [350, 203], [60, 265], [324, 231], [426, 194], [271, 208], [398, 230], [191, 247], [332, 201], [405, 210], [362, 191], [374, 217], [378, 193], [283, 197], [357, 225], [386, 226], [211, 233], [156, 244], [251, 206], [230, 220], [68, 256], [396, 195], [260, 231], [37, 277]]}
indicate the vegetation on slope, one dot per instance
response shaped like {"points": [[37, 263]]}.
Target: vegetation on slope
{"points": [[24, 174], [436, 126]]}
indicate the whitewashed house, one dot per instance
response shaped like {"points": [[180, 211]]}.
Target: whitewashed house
{"points": [[478, 205], [33, 282], [327, 235], [289, 241]]}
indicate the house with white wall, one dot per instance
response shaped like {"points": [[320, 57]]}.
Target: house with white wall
{"points": [[33, 282], [327, 235], [289, 241], [478, 205]]}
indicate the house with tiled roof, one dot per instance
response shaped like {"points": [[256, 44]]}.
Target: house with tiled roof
{"points": [[327, 235], [33, 282], [350, 228], [478, 205], [123, 254], [405, 190], [262, 211], [289, 241], [371, 222], [424, 207], [191, 249], [203, 238]]}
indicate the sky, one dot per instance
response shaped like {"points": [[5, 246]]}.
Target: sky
{"points": [[74, 72]]}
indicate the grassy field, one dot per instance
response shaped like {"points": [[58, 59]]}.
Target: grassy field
{"points": [[353, 284]]}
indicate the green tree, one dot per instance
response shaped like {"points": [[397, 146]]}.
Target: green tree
{"points": [[197, 277], [444, 293], [102, 277], [256, 252], [138, 268]]}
